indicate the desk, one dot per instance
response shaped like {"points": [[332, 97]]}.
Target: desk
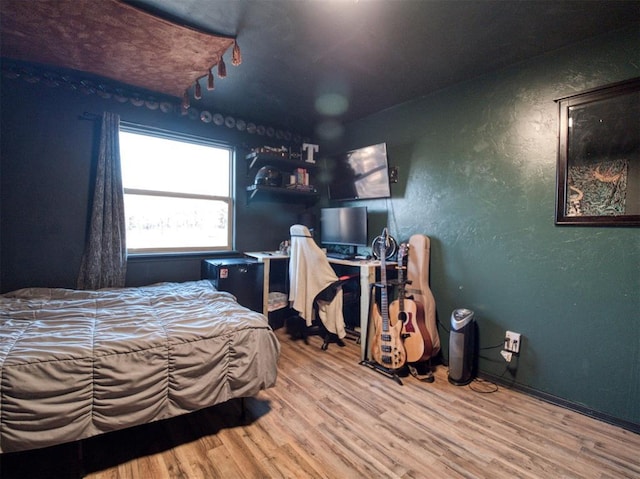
{"points": [[265, 257], [366, 269]]}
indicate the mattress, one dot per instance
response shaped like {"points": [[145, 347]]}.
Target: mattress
{"points": [[74, 364]]}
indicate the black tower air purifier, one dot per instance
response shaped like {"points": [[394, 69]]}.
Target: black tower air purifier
{"points": [[461, 347]]}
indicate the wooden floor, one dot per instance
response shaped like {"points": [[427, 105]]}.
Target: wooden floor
{"points": [[329, 417]]}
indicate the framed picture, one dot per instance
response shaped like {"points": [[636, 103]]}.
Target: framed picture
{"points": [[598, 172]]}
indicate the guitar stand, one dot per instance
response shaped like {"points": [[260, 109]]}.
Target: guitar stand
{"points": [[425, 378], [390, 373], [382, 370]]}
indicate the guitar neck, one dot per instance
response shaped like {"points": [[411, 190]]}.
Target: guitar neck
{"points": [[401, 286], [384, 306], [401, 279]]}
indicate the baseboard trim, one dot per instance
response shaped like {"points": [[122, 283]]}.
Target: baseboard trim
{"points": [[628, 425]]}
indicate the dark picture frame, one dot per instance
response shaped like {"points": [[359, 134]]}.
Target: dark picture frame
{"points": [[598, 170]]}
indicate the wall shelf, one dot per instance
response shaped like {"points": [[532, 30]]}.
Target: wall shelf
{"points": [[275, 193], [261, 192], [260, 159]]}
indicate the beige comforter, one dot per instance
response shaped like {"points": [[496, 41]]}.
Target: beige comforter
{"points": [[74, 364]]}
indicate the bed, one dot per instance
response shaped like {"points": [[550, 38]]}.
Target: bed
{"points": [[75, 364]]}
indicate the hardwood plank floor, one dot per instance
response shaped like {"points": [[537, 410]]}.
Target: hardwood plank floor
{"points": [[329, 417]]}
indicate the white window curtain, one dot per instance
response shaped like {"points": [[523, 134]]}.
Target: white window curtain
{"points": [[104, 263]]}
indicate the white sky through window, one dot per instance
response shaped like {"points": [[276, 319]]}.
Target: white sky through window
{"points": [[167, 165], [177, 194]]}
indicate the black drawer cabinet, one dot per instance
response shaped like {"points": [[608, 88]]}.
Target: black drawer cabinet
{"points": [[242, 277]]}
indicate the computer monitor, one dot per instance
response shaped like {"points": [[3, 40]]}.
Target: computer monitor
{"points": [[344, 226]]}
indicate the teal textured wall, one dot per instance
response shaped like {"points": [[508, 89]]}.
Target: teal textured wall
{"points": [[477, 174]]}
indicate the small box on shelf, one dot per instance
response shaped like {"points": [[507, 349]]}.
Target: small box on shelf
{"points": [[299, 177]]}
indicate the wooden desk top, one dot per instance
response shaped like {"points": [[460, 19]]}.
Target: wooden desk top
{"points": [[262, 255]]}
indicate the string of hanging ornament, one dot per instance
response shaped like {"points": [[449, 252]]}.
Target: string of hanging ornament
{"points": [[236, 59]]}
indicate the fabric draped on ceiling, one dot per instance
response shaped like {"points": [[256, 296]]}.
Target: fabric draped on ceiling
{"points": [[114, 40]]}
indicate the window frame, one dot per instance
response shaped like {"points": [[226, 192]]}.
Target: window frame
{"points": [[230, 200]]}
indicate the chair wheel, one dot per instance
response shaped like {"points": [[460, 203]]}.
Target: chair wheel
{"points": [[325, 346]]}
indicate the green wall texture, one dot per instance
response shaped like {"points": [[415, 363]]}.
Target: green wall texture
{"points": [[477, 175]]}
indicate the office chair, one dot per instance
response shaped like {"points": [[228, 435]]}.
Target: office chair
{"points": [[315, 289]]}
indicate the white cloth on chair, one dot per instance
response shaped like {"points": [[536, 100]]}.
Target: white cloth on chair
{"points": [[309, 274]]}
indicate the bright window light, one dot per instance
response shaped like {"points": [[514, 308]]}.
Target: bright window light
{"points": [[177, 193]]}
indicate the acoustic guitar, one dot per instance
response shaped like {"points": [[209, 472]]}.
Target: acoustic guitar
{"points": [[386, 346], [414, 333]]}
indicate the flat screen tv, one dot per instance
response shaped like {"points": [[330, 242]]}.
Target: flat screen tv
{"points": [[344, 226], [359, 174]]}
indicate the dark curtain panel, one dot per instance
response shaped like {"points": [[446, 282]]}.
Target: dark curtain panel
{"points": [[104, 263]]}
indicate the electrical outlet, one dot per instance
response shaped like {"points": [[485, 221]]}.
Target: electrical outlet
{"points": [[512, 342], [506, 355]]}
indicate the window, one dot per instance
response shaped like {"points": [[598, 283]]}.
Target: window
{"points": [[177, 192]]}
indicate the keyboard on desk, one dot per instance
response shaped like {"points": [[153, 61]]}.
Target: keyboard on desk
{"points": [[334, 255]]}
